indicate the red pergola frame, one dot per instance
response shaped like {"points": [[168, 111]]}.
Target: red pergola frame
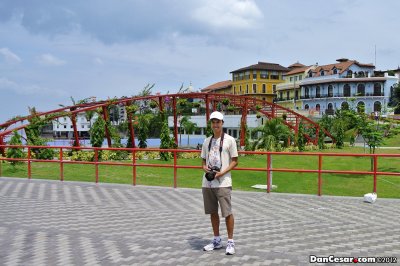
{"points": [[243, 104]]}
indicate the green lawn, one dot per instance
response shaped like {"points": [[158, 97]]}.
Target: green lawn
{"points": [[304, 183], [392, 141]]}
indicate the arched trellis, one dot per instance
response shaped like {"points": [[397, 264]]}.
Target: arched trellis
{"points": [[243, 104]]}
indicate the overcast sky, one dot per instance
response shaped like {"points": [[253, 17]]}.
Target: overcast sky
{"points": [[51, 50]]}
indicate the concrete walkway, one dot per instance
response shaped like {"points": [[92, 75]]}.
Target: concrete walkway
{"points": [[71, 223]]}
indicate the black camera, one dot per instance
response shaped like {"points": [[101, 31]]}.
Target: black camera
{"points": [[211, 174]]}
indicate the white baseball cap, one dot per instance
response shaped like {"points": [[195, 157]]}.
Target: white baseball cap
{"points": [[216, 115]]}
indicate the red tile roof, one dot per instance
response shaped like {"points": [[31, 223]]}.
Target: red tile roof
{"points": [[218, 85], [296, 65], [341, 66], [298, 70]]}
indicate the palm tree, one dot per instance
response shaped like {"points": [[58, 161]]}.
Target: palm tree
{"points": [[183, 121], [189, 127], [273, 131]]}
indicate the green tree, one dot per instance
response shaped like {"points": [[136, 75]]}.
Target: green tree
{"points": [[189, 127], [300, 139], [166, 141], [89, 116], [97, 132], [143, 129], [373, 136], [321, 139], [209, 131], [33, 137], [16, 153], [273, 132]]}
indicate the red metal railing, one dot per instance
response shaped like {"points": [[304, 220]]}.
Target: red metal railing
{"points": [[268, 169]]}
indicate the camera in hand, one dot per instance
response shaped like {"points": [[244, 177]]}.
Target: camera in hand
{"points": [[210, 175]]}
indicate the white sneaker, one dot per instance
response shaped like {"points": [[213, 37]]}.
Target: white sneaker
{"points": [[230, 248], [215, 244]]}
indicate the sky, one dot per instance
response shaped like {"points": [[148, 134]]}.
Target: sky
{"points": [[52, 50]]}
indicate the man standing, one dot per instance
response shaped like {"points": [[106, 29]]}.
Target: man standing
{"points": [[220, 156]]}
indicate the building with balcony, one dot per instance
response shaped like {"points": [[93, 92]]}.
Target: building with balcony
{"points": [[288, 93], [344, 84], [259, 80]]}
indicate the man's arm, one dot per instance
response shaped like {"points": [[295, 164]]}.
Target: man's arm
{"points": [[204, 164], [233, 164]]}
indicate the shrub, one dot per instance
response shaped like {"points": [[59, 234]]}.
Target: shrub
{"points": [[87, 156], [15, 153]]}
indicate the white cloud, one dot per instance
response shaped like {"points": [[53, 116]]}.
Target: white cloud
{"points": [[9, 56], [9, 85], [50, 60], [228, 14], [98, 61]]}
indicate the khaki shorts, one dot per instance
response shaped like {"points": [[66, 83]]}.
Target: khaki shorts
{"points": [[213, 196]]}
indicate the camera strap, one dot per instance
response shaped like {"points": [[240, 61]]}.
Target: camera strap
{"points": [[221, 142]]}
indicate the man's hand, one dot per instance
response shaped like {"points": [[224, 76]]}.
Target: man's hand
{"points": [[206, 169]]}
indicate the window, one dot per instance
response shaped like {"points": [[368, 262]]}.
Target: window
{"points": [[274, 75], [330, 91], [306, 107], [287, 95], [234, 90], [318, 107], [263, 74], [346, 90], [318, 92], [280, 95], [361, 107], [377, 106], [349, 74], [247, 75], [83, 126], [335, 71], [345, 106], [377, 89], [264, 90], [307, 92], [240, 89], [361, 90], [254, 74], [330, 106], [300, 77], [274, 88], [247, 88], [254, 88], [291, 78], [65, 126], [65, 119], [310, 74], [322, 73]]}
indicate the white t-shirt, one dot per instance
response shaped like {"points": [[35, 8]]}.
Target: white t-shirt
{"points": [[229, 150]]}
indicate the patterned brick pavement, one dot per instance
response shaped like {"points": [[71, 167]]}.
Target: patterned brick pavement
{"points": [[71, 223]]}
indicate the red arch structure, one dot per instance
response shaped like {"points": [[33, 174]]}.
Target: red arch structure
{"points": [[243, 105]]}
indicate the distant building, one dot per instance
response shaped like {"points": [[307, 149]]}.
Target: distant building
{"points": [[288, 93], [224, 87], [259, 80], [63, 128], [346, 83]]}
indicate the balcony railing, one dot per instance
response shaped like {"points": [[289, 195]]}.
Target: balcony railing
{"points": [[341, 95]]}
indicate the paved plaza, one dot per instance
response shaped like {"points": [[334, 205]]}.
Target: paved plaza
{"points": [[46, 222]]}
